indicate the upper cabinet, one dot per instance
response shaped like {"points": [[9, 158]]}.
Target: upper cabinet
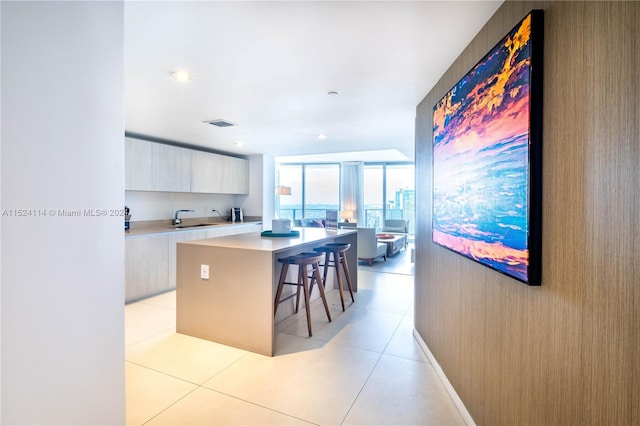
{"points": [[220, 174], [206, 173], [151, 166], [137, 165], [171, 166], [156, 167], [238, 175]]}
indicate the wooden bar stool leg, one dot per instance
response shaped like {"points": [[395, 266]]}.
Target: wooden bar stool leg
{"points": [[313, 281], [283, 275], [301, 269], [323, 281], [305, 287], [345, 266], [316, 273], [327, 262], [336, 263]]}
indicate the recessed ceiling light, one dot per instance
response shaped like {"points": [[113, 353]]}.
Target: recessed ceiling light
{"points": [[322, 136], [333, 93], [239, 143], [181, 75]]}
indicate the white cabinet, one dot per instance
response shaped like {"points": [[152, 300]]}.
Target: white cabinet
{"points": [[171, 168], [137, 165], [206, 173], [152, 166], [219, 174], [237, 174], [146, 266]]}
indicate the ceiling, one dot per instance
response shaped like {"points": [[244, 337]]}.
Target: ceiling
{"points": [[268, 67]]}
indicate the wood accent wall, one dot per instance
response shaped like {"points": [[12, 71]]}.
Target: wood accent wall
{"points": [[568, 352]]}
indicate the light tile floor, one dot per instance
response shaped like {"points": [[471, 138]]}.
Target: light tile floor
{"points": [[363, 368]]}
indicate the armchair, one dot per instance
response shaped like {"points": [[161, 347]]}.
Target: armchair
{"points": [[396, 226], [369, 248]]}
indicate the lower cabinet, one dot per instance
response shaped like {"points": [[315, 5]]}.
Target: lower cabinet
{"points": [[146, 266], [151, 260]]}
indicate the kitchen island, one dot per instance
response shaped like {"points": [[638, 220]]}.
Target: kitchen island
{"points": [[150, 252], [234, 305]]}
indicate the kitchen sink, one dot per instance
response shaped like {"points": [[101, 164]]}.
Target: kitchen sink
{"points": [[194, 226]]}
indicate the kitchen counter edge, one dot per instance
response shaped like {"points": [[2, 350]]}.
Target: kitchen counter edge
{"points": [[168, 229]]}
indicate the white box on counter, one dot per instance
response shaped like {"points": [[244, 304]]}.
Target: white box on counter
{"points": [[281, 226]]}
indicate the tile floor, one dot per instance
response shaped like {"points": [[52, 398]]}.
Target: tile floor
{"points": [[364, 368]]}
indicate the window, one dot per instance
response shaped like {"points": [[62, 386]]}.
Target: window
{"points": [[315, 188], [389, 193], [373, 196], [290, 206], [322, 189]]}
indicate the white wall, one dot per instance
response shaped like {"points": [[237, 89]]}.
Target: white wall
{"points": [[261, 188], [62, 278]]}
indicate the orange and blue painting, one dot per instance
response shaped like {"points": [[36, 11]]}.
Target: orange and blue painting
{"points": [[481, 136]]}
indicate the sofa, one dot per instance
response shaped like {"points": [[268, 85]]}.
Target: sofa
{"points": [[369, 249], [309, 223]]}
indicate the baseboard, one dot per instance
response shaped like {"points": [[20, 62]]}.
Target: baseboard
{"points": [[443, 378]]}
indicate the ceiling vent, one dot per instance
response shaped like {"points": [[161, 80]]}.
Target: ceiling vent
{"points": [[221, 123]]}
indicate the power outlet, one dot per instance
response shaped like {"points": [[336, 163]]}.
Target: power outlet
{"points": [[204, 272]]}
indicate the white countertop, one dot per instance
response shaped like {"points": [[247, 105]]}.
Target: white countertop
{"points": [[254, 241]]}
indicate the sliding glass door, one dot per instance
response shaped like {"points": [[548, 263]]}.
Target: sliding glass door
{"points": [[401, 194], [389, 193]]}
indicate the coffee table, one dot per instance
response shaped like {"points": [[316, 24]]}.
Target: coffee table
{"points": [[394, 242]]}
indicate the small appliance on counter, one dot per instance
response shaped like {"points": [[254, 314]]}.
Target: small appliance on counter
{"points": [[127, 218], [236, 215]]}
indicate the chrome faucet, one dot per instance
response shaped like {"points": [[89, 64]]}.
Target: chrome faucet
{"points": [[176, 219]]}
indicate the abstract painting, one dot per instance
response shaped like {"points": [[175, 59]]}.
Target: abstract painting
{"points": [[486, 157]]}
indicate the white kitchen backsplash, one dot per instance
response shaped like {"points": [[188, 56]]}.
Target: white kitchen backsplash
{"points": [[162, 205]]}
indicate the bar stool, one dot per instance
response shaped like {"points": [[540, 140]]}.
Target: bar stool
{"points": [[303, 261], [338, 251]]}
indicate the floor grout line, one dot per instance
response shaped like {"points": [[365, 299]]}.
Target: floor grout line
{"points": [[149, 337], [370, 373]]}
